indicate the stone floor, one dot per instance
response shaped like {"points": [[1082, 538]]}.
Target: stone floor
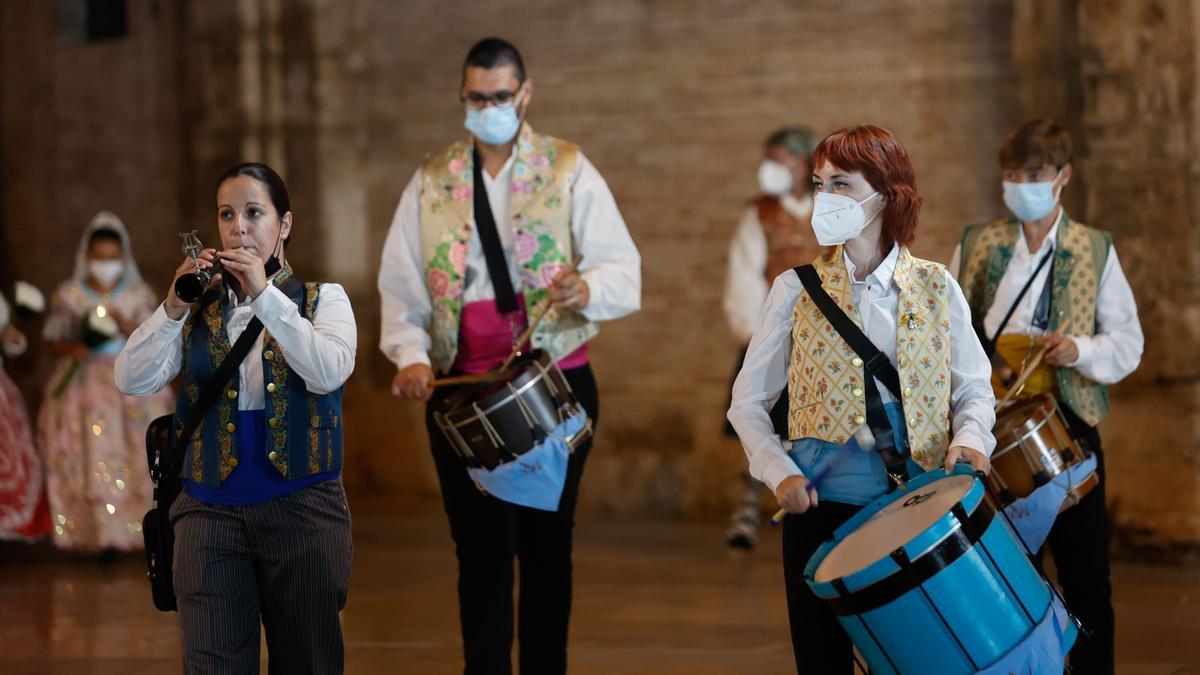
{"points": [[650, 598]]}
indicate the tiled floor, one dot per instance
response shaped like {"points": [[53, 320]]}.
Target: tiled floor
{"points": [[650, 598]]}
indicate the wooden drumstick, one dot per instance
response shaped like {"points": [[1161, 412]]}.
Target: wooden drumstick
{"points": [[473, 378], [1025, 373]]}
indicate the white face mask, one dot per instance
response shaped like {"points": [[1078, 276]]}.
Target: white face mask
{"points": [[106, 272], [774, 178], [1031, 201], [837, 219]]}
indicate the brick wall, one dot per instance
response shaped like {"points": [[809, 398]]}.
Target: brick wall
{"points": [[670, 99]]}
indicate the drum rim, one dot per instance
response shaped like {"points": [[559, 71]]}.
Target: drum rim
{"points": [[507, 400], [956, 543]]}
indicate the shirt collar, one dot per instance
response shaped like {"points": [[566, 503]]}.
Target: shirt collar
{"points": [[1051, 236], [882, 274]]}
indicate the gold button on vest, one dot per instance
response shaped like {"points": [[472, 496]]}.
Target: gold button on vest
{"points": [[858, 392], [271, 388], [272, 455], [231, 427], [268, 355], [859, 419], [232, 462], [857, 362], [231, 394], [273, 422]]}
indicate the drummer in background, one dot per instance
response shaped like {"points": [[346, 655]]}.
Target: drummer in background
{"points": [[455, 289], [866, 206], [1081, 308], [773, 236]]}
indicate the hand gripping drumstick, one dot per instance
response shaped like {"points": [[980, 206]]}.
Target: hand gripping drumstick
{"points": [[499, 373], [1020, 383], [866, 441]]}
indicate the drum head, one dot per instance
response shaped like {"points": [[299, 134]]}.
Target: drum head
{"points": [[893, 526]]}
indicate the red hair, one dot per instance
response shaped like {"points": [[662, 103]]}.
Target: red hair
{"points": [[882, 160]]}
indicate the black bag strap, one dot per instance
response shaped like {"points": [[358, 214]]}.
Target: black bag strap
{"points": [[989, 344], [875, 361], [212, 389], [875, 365], [489, 238]]}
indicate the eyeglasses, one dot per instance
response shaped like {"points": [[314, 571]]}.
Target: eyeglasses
{"points": [[479, 101]]}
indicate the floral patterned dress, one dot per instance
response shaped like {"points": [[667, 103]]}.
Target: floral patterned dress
{"points": [[23, 514], [93, 437]]}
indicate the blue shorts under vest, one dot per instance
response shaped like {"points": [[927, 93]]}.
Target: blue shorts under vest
{"points": [[255, 479], [855, 476]]}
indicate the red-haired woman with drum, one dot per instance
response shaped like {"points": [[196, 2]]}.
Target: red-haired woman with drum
{"points": [[886, 376]]}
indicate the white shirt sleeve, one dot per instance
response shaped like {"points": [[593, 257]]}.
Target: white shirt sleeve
{"points": [[611, 265], [760, 383], [1116, 349], [321, 351], [745, 285], [151, 357], [404, 297], [972, 402]]}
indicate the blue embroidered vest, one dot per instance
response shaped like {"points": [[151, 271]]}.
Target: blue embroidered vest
{"points": [[304, 434]]}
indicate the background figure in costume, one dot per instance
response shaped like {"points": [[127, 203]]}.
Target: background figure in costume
{"points": [[23, 513], [93, 437], [1077, 304], [773, 235], [866, 206], [485, 232]]}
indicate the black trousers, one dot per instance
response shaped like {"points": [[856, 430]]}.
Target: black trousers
{"points": [[285, 562], [819, 642], [1079, 543], [488, 533]]}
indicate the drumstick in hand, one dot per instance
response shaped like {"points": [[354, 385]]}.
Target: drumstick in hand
{"points": [[1025, 373], [538, 315], [865, 440]]}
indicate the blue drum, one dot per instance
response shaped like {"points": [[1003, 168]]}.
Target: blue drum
{"points": [[930, 579]]}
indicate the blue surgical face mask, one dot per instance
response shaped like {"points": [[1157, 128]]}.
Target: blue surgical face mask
{"points": [[1031, 201], [495, 124]]}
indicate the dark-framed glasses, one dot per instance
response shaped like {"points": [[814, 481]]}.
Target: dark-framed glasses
{"points": [[479, 100]]}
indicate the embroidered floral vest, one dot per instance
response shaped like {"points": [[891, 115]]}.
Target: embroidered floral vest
{"points": [[540, 213], [304, 434], [1080, 254], [825, 378]]}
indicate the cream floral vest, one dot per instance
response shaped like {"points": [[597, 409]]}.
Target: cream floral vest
{"points": [[825, 378], [543, 172]]}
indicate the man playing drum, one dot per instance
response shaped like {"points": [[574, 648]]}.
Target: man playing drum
{"points": [[849, 430], [1039, 279], [486, 232]]}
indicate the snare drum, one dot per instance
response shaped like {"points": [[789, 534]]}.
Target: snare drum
{"points": [[1033, 447], [928, 579], [493, 423]]}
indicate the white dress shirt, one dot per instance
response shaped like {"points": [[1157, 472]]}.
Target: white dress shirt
{"points": [[321, 351], [764, 373], [611, 265], [745, 279], [1106, 357]]}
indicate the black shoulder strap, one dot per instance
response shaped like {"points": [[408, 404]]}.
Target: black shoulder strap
{"points": [[212, 389], [489, 239], [989, 343], [875, 361]]}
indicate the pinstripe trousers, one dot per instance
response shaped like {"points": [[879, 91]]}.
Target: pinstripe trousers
{"points": [[285, 562]]}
